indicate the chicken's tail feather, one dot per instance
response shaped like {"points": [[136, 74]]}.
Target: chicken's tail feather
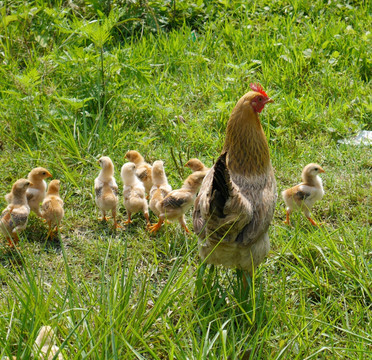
{"points": [[221, 186]]}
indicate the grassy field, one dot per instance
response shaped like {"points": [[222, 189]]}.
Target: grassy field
{"points": [[84, 79]]}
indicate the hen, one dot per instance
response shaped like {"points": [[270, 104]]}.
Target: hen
{"points": [[236, 201]]}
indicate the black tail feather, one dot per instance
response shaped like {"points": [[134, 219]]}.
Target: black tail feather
{"points": [[220, 187]]}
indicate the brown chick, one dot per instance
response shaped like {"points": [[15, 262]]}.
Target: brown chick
{"points": [[134, 193], [44, 347], [303, 196], [36, 192], [52, 207], [14, 218], [196, 165], [160, 189], [178, 202], [237, 199], [106, 189], [143, 169]]}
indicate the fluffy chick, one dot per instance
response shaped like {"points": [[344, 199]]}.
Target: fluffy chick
{"points": [[133, 192], [304, 195], [196, 165], [178, 202], [143, 169], [44, 345], [160, 189], [14, 218], [52, 206], [36, 192], [106, 189]]}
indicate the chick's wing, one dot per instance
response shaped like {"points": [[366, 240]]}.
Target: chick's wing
{"points": [[176, 199]]}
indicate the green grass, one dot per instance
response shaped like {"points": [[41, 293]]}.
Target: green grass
{"points": [[73, 90]]}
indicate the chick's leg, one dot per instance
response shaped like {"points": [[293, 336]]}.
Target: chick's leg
{"points": [[312, 221], [287, 221], [15, 238], [10, 242], [146, 214], [116, 225], [182, 222], [129, 221], [154, 228]]}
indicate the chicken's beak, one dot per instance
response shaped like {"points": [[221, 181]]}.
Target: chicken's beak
{"points": [[269, 100]]}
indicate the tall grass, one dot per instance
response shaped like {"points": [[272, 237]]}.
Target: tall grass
{"points": [[106, 77]]}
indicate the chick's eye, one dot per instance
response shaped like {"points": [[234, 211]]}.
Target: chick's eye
{"points": [[316, 169], [44, 172]]}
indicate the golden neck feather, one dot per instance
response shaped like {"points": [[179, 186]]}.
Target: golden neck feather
{"points": [[246, 143]]}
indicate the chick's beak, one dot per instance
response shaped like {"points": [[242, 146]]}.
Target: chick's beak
{"points": [[321, 170], [30, 184], [49, 174]]}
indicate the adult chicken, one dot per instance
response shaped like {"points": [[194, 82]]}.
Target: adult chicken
{"points": [[236, 201]]}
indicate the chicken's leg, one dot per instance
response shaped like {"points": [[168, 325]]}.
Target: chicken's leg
{"points": [[116, 225], [287, 221], [129, 221], [312, 221], [183, 224], [154, 228]]}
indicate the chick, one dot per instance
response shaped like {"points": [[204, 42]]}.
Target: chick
{"points": [[36, 192], [52, 206], [178, 202], [196, 165], [304, 195], [14, 218], [106, 189], [160, 189], [44, 345], [143, 169], [134, 193]]}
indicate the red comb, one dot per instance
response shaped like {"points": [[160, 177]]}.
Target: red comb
{"points": [[257, 87]]}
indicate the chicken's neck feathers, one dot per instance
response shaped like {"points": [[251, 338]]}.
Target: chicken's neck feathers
{"points": [[19, 199], [315, 181], [246, 144]]}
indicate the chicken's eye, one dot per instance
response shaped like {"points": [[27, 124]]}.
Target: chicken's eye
{"points": [[260, 99]]}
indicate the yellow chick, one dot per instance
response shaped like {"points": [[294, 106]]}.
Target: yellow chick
{"points": [[14, 218], [36, 192], [143, 169], [133, 192], [304, 195], [44, 346], [52, 206], [160, 189], [196, 165], [178, 202], [106, 189]]}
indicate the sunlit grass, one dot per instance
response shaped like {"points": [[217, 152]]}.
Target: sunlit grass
{"points": [[71, 94]]}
